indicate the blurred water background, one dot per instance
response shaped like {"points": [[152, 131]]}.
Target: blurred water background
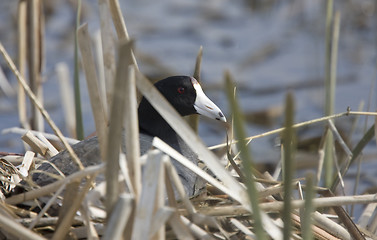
{"points": [[270, 47]]}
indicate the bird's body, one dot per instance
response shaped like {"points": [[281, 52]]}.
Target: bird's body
{"points": [[184, 94]]}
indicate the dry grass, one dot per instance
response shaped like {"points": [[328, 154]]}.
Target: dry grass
{"points": [[143, 207]]}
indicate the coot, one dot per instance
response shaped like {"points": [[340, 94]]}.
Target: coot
{"points": [[185, 94]]}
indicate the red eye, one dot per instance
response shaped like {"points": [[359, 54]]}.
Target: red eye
{"points": [[181, 90]]}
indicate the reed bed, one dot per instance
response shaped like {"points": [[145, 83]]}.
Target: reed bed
{"points": [[238, 202]]}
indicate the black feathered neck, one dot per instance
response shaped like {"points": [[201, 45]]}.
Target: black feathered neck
{"points": [[181, 94], [151, 122]]}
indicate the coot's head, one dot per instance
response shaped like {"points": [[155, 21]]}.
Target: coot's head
{"points": [[186, 95]]}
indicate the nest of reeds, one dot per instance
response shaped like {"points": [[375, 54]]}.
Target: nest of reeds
{"points": [[238, 201]]}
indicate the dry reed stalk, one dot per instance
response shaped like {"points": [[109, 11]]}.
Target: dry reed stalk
{"points": [[120, 25], [36, 102], [330, 226], [158, 143], [49, 136], [277, 171], [45, 221], [50, 147], [174, 178], [97, 213], [91, 232], [100, 69], [11, 211], [373, 225], [37, 145], [323, 202], [366, 215], [297, 125], [318, 232], [192, 140], [356, 153], [118, 19], [13, 159], [75, 204], [26, 163], [340, 139], [108, 50], [161, 216], [96, 193], [67, 98], [278, 205], [202, 219], [180, 229], [362, 113], [242, 228], [152, 178], [226, 211], [114, 137], [232, 162], [271, 190], [368, 234], [131, 137], [198, 232], [81, 232], [346, 219], [125, 172], [35, 31], [10, 226], [46, 207], [169, 190], [58, 176], [100, 116], [321, 155], [45, 190], [70, 194], [21, 56], [119, 217]]}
